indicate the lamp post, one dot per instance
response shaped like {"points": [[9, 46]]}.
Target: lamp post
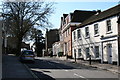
{"points": [[1, 49], [46, 40]]}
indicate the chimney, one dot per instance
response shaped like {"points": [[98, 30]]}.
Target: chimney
{"points": [[98, 12]]}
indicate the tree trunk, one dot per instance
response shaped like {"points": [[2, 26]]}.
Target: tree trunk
{"points": [[19, 46]]}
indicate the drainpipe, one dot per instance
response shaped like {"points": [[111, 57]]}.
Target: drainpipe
{"points": [[118, 51], [118, 39], [102, 52]]}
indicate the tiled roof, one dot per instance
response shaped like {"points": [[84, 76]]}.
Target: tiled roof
{"points": [[102, 15], [80, 15]]}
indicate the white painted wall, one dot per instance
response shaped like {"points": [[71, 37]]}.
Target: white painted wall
{"points": [[94, 41], [57, 47]]}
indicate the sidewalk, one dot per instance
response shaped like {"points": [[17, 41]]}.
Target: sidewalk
{"points": [[13, 69], [108, 67]]}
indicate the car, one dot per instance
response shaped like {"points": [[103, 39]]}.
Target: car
{"points": [[27, 56]]}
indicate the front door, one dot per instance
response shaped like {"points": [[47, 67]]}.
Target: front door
{"points": [[109, 52]]}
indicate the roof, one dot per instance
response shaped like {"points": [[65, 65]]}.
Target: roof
{"points": [[102, 15], [65, 15], [81, 15]]}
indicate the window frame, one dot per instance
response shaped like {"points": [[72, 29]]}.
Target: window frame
{"points": [[74, 34], [108, 26], [96, 29], [78, 34], [87, 34], [97, 51], [87, 50], [79, 53]]}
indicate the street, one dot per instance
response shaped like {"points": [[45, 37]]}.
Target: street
{"points": [[52, 69]]}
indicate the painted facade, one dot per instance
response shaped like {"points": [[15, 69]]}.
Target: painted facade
{"points": [[98, 37], [57, 47], [68, 23]]}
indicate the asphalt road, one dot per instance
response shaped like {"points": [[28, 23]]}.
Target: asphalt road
{"points": [[52, 69]]}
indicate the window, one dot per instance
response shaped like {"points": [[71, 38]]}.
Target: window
{"points": [[74, 34], [97, 51], [65, 47], [79, 52], [96, 29], [87, 52], [69, 31], [108, 25], [87, 31], [68, 45], [66, 33], [78, 34]]}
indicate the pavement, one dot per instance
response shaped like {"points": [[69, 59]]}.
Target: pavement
{"points": [[13, 69], [108, 67]]}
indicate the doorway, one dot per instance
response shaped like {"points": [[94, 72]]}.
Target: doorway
{"points": [[109, 53]]}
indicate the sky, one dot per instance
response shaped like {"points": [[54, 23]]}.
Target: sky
{"points": [[68, 7]]}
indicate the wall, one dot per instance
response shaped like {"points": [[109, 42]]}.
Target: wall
{"points": [[97, 40], [67, 40]]}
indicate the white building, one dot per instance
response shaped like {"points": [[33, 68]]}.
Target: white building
{"points": [[98, 37], [57, 47]]}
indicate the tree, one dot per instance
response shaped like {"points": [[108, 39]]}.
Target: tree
{"points": [[21, 17], [38, 39]]}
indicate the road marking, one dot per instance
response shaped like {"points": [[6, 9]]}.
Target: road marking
{"points": [[55, 61], [78, 75], [66, 70]]}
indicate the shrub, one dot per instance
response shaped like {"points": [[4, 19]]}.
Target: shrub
{"points": [[60, 54]]}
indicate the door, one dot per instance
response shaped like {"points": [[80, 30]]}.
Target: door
{"points": [[109, 52]]}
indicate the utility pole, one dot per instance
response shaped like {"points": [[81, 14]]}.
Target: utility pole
{"points": [[46, 41], [1, 49]]}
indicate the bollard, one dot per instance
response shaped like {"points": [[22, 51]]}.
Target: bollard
{"points": [[90, 60], [75, 57]]}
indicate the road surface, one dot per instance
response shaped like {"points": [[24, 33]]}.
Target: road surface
{"points": [[53, 69]]}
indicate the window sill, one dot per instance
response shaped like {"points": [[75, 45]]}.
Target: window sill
{"points": [[96, 35], [109, 32], [87, 37], [79, 38], [75, 40]]}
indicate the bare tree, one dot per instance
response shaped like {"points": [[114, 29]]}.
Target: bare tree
{"points": [[21, 17]]}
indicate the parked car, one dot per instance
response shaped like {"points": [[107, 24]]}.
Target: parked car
{"points": [[27, 55]]}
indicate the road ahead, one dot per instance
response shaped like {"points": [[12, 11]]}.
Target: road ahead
{"points": [[52, 69]]}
